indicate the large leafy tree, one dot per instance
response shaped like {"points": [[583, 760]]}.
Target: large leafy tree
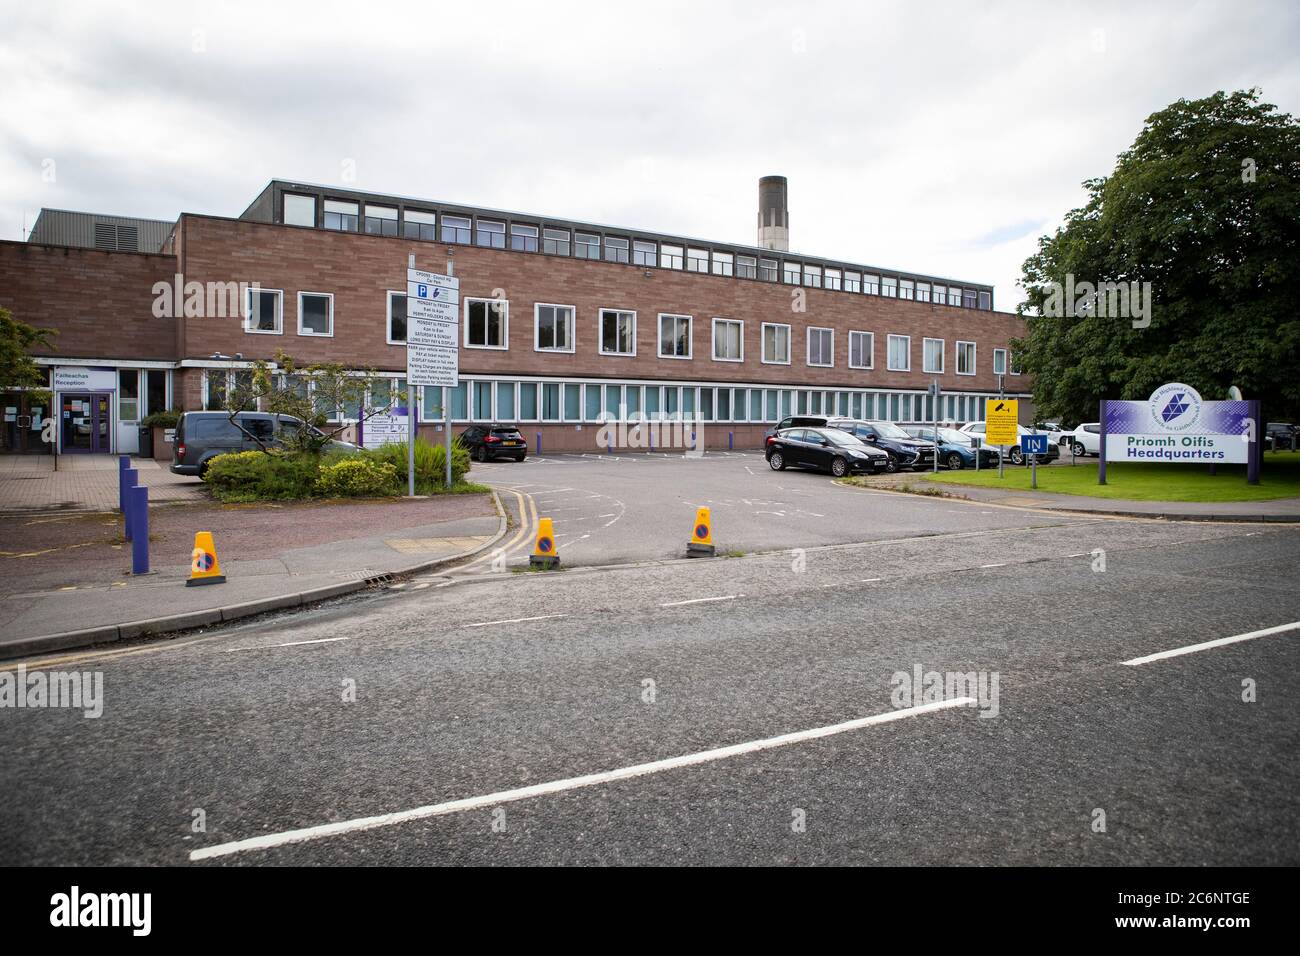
{"points": [[1205, 206], [17, 339]]}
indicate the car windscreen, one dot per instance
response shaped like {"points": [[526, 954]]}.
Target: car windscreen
{"points": [[838, 437], [887, 430], [954, 436]]}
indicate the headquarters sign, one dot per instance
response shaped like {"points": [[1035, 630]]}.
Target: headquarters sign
{"points": [[1176, 425]]}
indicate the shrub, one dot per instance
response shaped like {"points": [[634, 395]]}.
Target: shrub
{"points": [[430, 463], [163, 419], [357, 476], [259, 476]]}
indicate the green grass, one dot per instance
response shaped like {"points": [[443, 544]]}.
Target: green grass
{"points": [[1142, 481]]}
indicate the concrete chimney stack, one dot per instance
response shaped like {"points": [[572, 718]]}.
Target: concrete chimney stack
{"points": [[773, 214]]}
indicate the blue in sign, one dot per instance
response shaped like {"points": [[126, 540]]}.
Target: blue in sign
{"points": [[1034, 444]]}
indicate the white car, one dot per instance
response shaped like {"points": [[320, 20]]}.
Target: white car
{"points": [[1084, 440], [978, 429]]}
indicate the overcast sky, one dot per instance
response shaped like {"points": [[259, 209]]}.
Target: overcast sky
{"points": [[940, 138]]}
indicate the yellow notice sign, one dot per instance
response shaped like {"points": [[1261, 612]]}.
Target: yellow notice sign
{"points": [[1001, 416]]}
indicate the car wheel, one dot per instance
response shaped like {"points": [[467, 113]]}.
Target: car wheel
{"points": [[777, 461], [891, 466], [955, 462], [839, 467], [1077, 450], [520, 458], [1017, 457], [480, 453]]}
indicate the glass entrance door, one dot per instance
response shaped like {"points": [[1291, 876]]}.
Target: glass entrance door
{"points": [[84, 418]]}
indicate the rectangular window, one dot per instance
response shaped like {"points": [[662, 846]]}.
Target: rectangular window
{"points": [[572, 402], [613, 402], [615, 250], [746, 267], [671, 402], [591, 403], [697, 260], [723, 264], [551, 401], [340, 215], [968, 298], [739, 407], [771, 398], [954, 295], [128, 395], [459, 401], [871, 284], [527, 402], [812, 276], [862, 350], [706, 404], [889, 287], [588, 246], [900, 353], [853, 282], [487, 322], [644, 253], [907, 289], [932, 356], [767, 270], [505, 401], [670, 257], [553, 330], [155, 390], [791, 272], [688, 402], [263, 311], [381, 220], [999, 361], [418, 224], [482, 401], [631, 401], [776, 344], [923, 292], [940, 294], [455, 229], [821, 347], [833, 279], [523, 238], [652, 393], [396, 318], [728, 340], [674, 336], [555, 242], [724, 405], [490, 234], [986, 300], [299, 210], [965, 358], [315, 313], [617, 332]]}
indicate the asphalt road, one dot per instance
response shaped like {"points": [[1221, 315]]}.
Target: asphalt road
{"points": [[459, 703]]}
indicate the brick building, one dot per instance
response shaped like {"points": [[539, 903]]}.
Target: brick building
{"points": [[563, 324]]}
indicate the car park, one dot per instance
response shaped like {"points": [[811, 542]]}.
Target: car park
{"points": [[202, 436], [827, 449], [1014, 454], [1085, 440], [903, 450], [488, 442], [956, 450], [1281, 435]]}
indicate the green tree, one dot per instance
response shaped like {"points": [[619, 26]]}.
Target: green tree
{"points": [[1204, 206], [17, 339]]}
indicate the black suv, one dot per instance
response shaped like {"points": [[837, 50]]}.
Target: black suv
{"points": [[202, 436], [486, 442], [904, 451]]}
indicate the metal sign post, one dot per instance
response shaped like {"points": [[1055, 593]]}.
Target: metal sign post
{"points": [[446, 405], [432, 342], [934, 408], [410, 415]]}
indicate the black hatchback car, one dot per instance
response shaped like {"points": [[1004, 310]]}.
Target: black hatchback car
{"points": [[827, 449], [486, 442], [903, 450]]}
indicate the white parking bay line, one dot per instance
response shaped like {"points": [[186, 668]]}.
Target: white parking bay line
{"points": [[305, 834], [1221, 642], [516, 620], [267, 647], [724, 597]]}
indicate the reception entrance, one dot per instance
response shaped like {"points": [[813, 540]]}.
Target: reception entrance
{"points": [[84, 421]]}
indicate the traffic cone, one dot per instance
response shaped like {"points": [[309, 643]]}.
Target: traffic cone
{"points": [[701, 544], [546, 553], [204, 567]]}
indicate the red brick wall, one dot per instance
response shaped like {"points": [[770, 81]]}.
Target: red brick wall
{"points": [[359, 269], [100, 302]]}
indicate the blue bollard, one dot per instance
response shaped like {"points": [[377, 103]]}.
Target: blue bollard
{"points": [[539, 444], [130, 480], [140, 531], [123, 464], [731, 440]]}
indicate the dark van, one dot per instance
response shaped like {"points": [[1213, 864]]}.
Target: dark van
{"points": [[201, 436]]}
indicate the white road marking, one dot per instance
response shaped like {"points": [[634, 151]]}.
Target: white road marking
{"points": [[1001, 565], [515, 620], [1221, 642], [267, 647], [871, 580], [725, 597], [305, 834]]}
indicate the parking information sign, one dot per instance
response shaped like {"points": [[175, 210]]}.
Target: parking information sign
{"points": [[1002, 415], [432, 329], [1034, 444]]}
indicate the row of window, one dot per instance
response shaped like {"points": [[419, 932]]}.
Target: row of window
{"points": [[490, 400], [487, 326], [386, 220]]}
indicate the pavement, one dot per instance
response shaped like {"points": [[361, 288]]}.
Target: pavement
{"points": [[734, 711], [29, 484]]}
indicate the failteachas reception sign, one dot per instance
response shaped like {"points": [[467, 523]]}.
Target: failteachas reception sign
{"points": [[1176, 425]]}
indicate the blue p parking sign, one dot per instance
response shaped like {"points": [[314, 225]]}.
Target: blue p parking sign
{"points": [[1034, 444]]}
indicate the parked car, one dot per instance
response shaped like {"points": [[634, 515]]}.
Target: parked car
{"points": [[202, 436], [1055, 431], [1016, 456], [1085, 440], [827, 449], [956, 450], [903, 450], [1282, 433], [796, 421], [486, 442]]}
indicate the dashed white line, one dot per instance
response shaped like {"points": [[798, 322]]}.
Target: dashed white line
{"points": [[515, 620], [267, 841], [1205, 646], [1002, 564], [704, 600], [267, 647]]}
